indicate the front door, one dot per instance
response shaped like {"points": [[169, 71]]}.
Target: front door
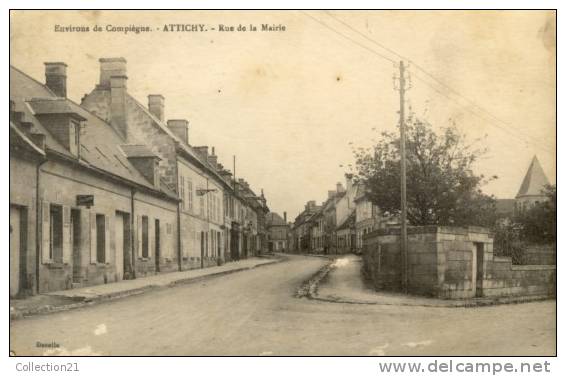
{"points": [[15, 250], [157, 245], [119, 244]]}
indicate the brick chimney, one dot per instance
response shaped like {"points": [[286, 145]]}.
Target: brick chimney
{"points": [[56, 78], [156, 105], [202, 151], [339, 188], [285, 217], [113, 66], [180, 128], [331, 194], [213, 159], [226, 175], [118, 94]]}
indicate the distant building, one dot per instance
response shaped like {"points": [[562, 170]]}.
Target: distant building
{"points": [[302, 228], [531, 191], [533, 186], [277, 232], [346, 218], [367, 216]]}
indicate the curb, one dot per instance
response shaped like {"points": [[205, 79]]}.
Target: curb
{"points": [[88, 301], [309, 289]]}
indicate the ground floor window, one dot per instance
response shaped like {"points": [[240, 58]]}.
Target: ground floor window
{"points": [[56, 233]]}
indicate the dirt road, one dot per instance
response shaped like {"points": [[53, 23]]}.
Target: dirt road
{"points": [[255, 313]]}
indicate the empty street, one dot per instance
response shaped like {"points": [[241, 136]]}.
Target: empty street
{"points": [[256, 312]]}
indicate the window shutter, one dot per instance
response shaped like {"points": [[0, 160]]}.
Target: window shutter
{"points": [[139, 236], [46, 233], [93, 238], [106, 239], [150, 238], [66, 235]]}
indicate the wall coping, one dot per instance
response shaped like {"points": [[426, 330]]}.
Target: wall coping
{"points": [[501, 258], [533, 267], [411, 230]]}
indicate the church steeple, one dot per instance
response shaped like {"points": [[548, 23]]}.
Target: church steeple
{"points": [[534, 181]]}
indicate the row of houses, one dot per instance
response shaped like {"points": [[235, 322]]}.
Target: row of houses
{"points": [[337, 225], [108, 190]]}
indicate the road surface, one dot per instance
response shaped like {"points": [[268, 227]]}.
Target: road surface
{"points": [[255, 313]]}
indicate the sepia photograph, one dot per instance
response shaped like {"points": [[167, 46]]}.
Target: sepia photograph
{"points": [[283, 183]]}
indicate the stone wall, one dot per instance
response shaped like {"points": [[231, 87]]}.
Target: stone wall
{"points": [[504, 278], [450, 262], [540, 254]]}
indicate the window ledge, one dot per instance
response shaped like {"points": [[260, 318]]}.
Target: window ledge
{"points": [[56, 265]]}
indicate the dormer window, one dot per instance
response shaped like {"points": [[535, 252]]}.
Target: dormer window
{"points": [[75, 138], [145, 161], [61, 119]]}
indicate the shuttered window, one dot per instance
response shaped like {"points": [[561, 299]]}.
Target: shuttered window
{"points": [[182, 191], [46, 233], [190, 193], [56, 236]]}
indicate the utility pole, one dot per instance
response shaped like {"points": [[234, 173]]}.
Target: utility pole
{"points": [[404, 242]]}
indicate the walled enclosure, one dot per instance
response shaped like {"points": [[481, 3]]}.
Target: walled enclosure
{"points": [[451, 263]]}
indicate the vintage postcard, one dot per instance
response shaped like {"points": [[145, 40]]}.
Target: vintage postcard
{"points": [[275, 183]]}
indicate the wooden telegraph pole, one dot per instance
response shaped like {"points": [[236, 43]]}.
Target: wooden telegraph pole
{"points": [[404, 242]]}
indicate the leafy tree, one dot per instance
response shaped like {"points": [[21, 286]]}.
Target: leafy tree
{"points": [[538, 222], [442, 189]]}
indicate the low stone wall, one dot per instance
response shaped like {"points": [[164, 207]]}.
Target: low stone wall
{"points": [[504, 278], [544, 254], [450, 262]]}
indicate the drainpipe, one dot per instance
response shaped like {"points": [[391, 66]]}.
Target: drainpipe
{"points": [[38, 222], [179, 256], [133, 231]]}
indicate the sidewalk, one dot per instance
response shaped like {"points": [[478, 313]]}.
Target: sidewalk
{"points": [[343, 283], [74, 298]]}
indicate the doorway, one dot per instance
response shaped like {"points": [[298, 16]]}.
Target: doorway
{"points": [[122, 246], [479, 268], [18, 250], [157, 245], [76, 244], [219, 245]]}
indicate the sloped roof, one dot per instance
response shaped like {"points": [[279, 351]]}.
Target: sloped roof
{"points": [[274, 219], [348, 222], [534, 181], [50, 105], [100, 142], [138, 151], [20, 140], [186, 148]]}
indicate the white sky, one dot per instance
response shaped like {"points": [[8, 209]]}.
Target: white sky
{"points": [[275, 100]]}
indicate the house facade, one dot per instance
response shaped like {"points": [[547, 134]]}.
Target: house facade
{"points": [[278, 232], [345, 232], [100, 216], [367, 217], [193, 172], [107, 190]]}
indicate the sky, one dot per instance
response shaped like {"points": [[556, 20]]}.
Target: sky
{"points": [[291, 104]]}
